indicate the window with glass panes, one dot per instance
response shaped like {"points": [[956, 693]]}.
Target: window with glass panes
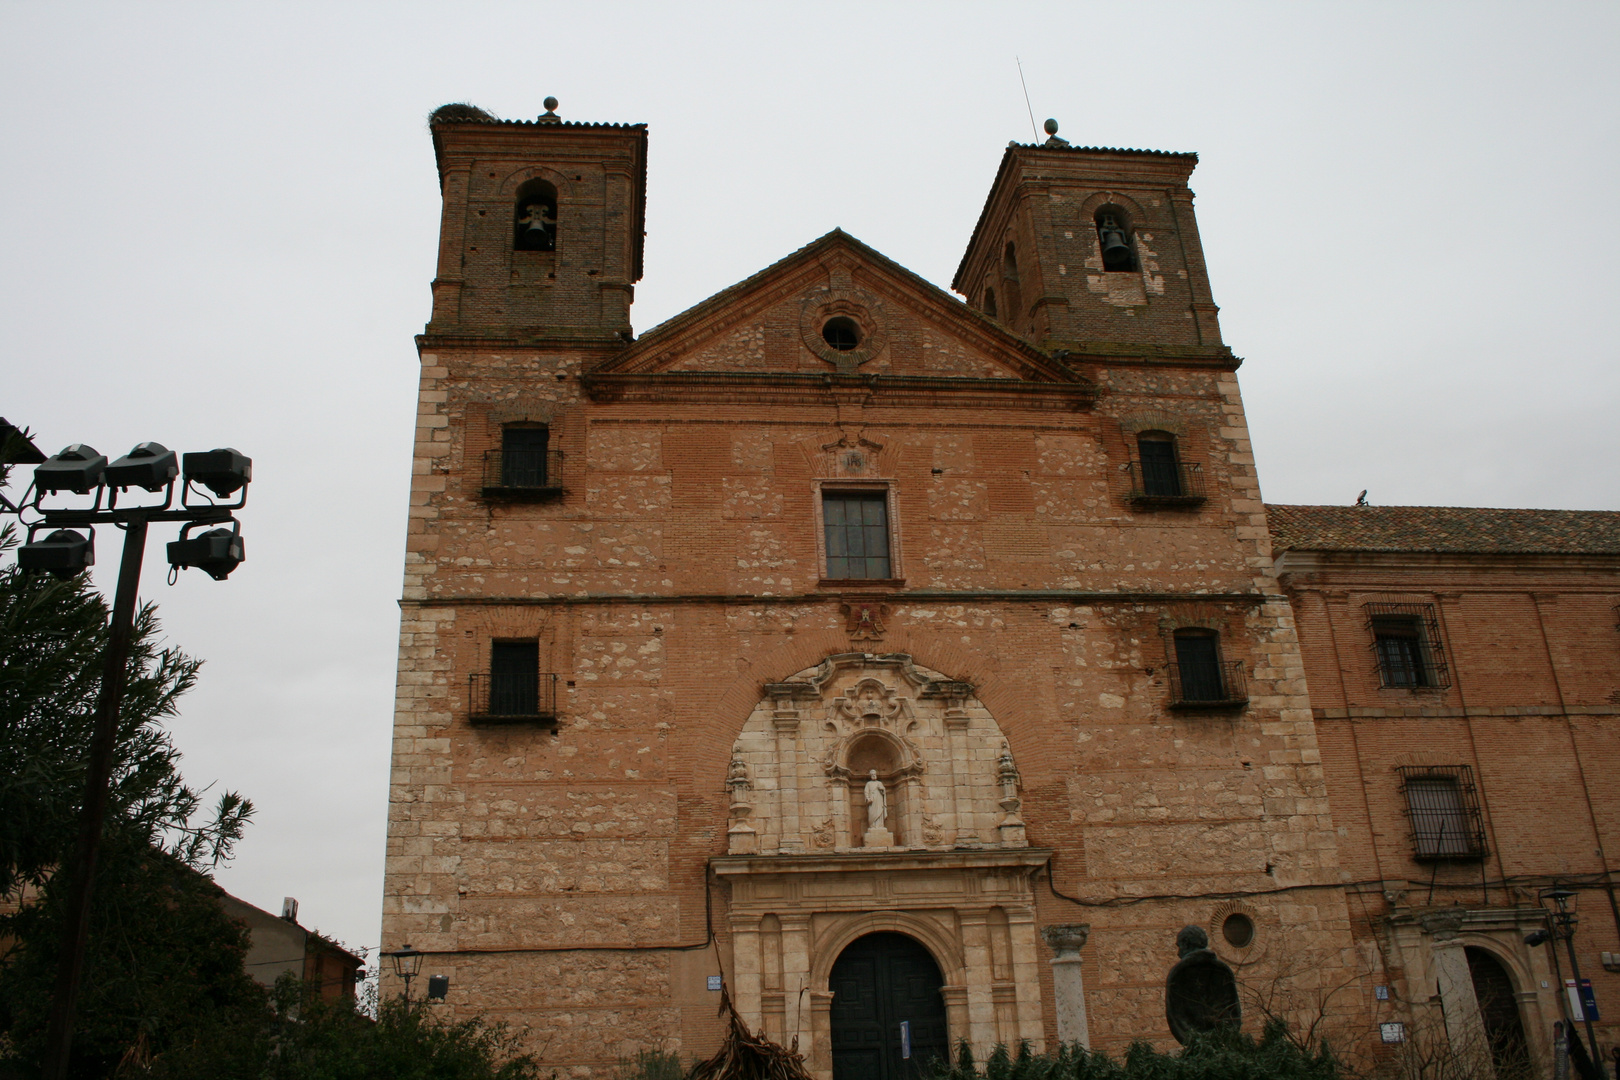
{"points": [[857, 524]]}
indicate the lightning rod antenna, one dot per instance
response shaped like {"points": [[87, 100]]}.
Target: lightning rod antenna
{"points": [[1030, 109]]}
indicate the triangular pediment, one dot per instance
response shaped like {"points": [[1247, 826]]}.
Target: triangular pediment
{"points": [[776, 323]]}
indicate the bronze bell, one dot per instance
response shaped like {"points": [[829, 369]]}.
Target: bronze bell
{"points": [[1114, 245]]}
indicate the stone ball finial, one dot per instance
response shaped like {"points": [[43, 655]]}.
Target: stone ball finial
{"points": [[1051, 126], [551, 104]]}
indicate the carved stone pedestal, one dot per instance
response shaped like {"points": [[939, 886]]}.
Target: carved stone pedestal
{"points": [[877, 838]]}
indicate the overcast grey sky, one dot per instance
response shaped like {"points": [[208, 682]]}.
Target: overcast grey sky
{"points": [[217, 227]]}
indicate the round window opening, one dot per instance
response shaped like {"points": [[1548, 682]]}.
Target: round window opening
{"points": [[841, 333], [1238, 930]]}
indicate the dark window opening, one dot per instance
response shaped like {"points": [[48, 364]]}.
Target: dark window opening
{"points": [[1238, 930], [514, 678], [990, 302], [1114, 234], [1406, 646], [1161, 478], [841, 333], [535, 219], [857, 530], [523, 457], [1198, 661], [1443, 808], [1009, 262]]}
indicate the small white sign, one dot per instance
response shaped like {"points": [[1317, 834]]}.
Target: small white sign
{"points": [[715, 982], [1381, 993], [1575, 1010], [1392, 1032]]}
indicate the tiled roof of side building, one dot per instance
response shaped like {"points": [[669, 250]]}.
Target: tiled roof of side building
{"points": [[1469, 530]]}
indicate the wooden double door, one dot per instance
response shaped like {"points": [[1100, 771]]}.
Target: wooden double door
{"points": [[888, 1016]]}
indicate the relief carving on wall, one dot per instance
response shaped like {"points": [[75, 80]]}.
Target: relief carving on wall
{"points": [[873, 753]]}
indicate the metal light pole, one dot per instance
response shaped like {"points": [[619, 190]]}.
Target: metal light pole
{"points": [[407, 965], [1562, 925], [65, 553]]}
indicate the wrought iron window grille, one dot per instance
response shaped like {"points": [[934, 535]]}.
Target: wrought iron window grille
{"points": [[1165, 483], [523, 475], [1222, 684], [1442, 811], [512, 697], [1406, 646]]}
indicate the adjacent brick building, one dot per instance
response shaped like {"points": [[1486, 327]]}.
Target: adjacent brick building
{"points": [[887, 657]]}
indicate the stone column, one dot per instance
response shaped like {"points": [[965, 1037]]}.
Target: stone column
{"points": [[1465, 1028], [976, 961], [1068, 989], [914, 812], [962, 765], [1026, 975], [746, 968], [956, 1016], [796, 977], [818, 1052], [790, 837]]}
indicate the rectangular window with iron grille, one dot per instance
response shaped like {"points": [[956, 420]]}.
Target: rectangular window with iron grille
{"points": [[1442, 806], [857, 533], [1406, 644]]}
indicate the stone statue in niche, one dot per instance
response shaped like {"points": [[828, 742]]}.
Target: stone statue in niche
{"points": [[1200, 993], [877, 813]]}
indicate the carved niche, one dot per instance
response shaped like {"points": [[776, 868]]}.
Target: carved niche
{"points": [[809, 750]]}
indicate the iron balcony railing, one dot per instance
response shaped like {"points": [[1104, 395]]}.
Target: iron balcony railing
{"points": [[1166, 483], [1213, 685], [523, 474], [512, 697]]}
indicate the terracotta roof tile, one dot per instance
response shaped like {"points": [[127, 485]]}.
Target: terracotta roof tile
{"points": [[1448, 529]]}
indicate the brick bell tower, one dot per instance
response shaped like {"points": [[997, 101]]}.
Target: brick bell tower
{"points": [[541, 236], [1078, 246]]}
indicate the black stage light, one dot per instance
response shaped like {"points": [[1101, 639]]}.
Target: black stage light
{"points": [[77, 468], [63, 554], [150, 465], [221, 471], [216, 552]]}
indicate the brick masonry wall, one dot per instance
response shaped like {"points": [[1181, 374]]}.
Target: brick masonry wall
{"points": [[1534, 660]]}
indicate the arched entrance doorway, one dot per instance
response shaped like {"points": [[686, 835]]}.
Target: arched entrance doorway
{"points": [[879, 983], [1499, 1009]]}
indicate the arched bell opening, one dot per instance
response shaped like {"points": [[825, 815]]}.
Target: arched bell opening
{"points": [[888, 1013], [534, 219], [1114, 237], [1499, 1011]]}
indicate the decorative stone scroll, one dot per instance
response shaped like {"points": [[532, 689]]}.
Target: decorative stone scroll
{"points": [[812, 750]]}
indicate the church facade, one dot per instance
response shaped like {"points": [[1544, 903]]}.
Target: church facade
{"points": [[913, 669]]}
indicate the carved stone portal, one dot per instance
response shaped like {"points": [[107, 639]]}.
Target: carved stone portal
{"points": [[860, 735]]}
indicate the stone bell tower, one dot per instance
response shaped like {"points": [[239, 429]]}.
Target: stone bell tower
{"points": [[541, 235], [1078, 245]]}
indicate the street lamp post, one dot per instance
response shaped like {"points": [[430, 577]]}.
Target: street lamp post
{"points": [[407, 965], [1562, 926], [65, 552]]}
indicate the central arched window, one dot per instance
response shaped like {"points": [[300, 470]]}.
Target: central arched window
{"points": [[990, 302], [534, 220]]}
